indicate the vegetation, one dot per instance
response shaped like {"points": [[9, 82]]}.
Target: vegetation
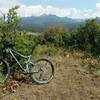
{"points": [[75, 54], [54, 39], [86, 37], [8, 27]]}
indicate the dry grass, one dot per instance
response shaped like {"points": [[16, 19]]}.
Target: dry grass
{"points": [[72, 81]]}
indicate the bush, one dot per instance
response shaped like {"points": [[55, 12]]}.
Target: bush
{"points": [[88, 37], [25, 43], [54, 35]]}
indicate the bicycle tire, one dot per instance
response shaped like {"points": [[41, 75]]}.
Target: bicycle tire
{"points": [[43, 81], [4, 71]]}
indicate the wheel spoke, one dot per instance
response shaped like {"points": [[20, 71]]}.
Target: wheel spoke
{"points": [[43, 71], [40, 77]]}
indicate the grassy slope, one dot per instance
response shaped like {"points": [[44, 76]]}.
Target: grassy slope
{"points": [[72, 81]]}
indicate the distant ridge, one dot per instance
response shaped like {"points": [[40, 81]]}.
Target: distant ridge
{"points": [[38, 23]]}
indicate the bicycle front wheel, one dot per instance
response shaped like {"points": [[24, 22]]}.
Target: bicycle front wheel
{"points": [[4, 71], [43, 71]]}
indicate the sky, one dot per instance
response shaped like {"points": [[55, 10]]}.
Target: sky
{"points": [[63, 8]]}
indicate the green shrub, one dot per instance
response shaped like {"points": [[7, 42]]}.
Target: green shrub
{"points": [[88, 36]]}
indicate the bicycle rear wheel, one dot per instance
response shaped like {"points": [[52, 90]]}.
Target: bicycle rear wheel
{"points": [[42, 71], [4, 71]]}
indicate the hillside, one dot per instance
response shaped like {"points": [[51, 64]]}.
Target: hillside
{"points": [[37, 24], [72, 81]]}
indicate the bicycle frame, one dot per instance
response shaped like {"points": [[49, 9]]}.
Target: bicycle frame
{"points": [[38, 75], [25, 70]]}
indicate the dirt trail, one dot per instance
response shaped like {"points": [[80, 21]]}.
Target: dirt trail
{"points": [[71, 82]]}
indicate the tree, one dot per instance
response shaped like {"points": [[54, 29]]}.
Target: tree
{"points": [[8, 27], [56, 29], [54, 35], [88, 36], [12, 19]]}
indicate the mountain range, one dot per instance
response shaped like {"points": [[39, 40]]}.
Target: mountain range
{"points": [[39, 23]]}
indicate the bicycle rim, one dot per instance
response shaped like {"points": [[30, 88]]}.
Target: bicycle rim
{"points": [[43, 71], [4, 71]]}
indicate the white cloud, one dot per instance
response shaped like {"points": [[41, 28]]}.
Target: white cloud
{"points": [[30, 10], [38, 10], [8, 3], [96, 12], [98, 6], [60, 12]]}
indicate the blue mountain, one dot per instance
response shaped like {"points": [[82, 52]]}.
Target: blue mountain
{"points": [[38, 24]]}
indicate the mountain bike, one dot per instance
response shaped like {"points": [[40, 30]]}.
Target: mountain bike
{"points": [[41, 71]]}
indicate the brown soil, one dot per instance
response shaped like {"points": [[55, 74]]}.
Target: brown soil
{"points": [[72, 81]]}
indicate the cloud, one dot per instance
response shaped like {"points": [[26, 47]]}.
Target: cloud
{"points": [[37, 10], [96, 12], [98, 6], [8, 3], [26, 11], [60, 12]]}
